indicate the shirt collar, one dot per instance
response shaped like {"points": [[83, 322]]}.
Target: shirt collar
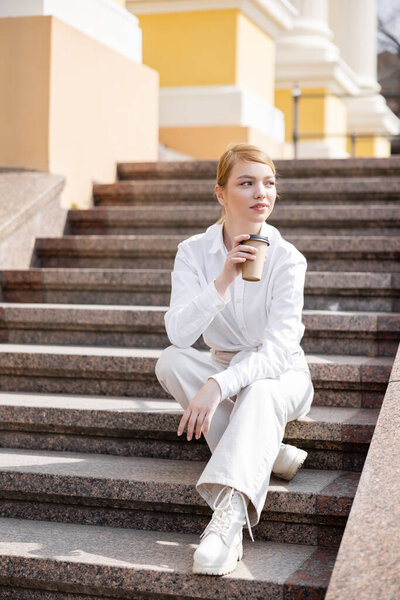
{"points": [[215, 232]]}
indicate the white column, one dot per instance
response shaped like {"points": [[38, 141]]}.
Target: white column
{"points": [[354, 24], [310, 41], [309, 56], [313, 17]]}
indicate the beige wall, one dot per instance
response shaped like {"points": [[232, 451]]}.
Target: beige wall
{"points": [[24, 96], [74, 106]]}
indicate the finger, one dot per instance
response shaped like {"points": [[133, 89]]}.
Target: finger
{"points": [[246, 248], [246, 254], [191, 424], [240, 238], [183, 421], [199, 424], [207, 422]]}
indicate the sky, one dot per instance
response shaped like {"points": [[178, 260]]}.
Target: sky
{"points": [[389, 12]]}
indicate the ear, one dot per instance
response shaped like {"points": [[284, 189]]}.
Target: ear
{"points": [[219, 194]]}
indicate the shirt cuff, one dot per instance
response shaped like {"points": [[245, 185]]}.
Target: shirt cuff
{"points": [[220, 379], [212, 377]]}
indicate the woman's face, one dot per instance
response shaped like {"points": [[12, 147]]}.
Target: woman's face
{"points": [[249, 183]]}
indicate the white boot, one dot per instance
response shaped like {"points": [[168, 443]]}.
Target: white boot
{"points": [[222, 544], [288, 461]]}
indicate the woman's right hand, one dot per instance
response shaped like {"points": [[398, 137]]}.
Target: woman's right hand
{"points": [[236, 257]]}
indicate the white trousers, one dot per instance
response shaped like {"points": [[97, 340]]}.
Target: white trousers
{"points": [[245, 435]]}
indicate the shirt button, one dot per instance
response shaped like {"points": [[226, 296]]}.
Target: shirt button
{"points": [[238, 301], [243, 329]]}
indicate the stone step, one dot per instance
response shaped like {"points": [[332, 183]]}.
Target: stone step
{"points": [[323, 253], [338, 380], [371, 333], [338, 219], [334, 437], [109, 562], [323, 290], [305, 190], [207, 169], [159, 494]]}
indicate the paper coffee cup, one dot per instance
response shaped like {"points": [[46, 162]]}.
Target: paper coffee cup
{"points": [[252, 269]]}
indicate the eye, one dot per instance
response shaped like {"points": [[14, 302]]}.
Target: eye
{"points": [[270, 183]]}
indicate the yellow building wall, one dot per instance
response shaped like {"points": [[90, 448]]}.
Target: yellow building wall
{"points": [[72, 106], [190, 48], [255, 63], [327, 114], [284, 101], [210, 47], [371, 146], [321, 115]]}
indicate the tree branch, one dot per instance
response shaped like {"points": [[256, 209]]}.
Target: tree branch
{"points": [[389, 35]]}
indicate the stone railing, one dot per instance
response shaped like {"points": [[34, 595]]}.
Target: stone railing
{"points": [[29, 207], [368, 562]]}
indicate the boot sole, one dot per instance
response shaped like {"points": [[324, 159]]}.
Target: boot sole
{"points": [[221, 570], [296, 464]]}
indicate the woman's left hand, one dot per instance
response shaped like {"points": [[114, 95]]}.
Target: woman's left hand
{"points": [[201, 409]]}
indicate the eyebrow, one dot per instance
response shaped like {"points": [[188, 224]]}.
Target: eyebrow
{"points": [[251, 177]]}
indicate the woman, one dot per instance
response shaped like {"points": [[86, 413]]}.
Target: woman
{"points": [[256, 378]]}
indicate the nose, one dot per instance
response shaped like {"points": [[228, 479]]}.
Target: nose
{"points": [[260, 191]]}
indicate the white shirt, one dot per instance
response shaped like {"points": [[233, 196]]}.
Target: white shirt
{"points": [[261, 320]]}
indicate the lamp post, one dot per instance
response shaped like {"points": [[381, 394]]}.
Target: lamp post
{"points": [[353, 137], [296, 93]]}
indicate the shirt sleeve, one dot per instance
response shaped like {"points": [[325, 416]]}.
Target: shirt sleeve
{"points": [[282, 334], [192, 308]]}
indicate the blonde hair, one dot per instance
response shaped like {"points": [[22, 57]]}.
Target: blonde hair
{"points": [[240, 151]]}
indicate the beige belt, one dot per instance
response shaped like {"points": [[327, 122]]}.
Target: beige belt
{"points": [[223, 356]]}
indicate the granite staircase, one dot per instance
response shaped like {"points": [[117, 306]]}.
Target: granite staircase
{"points": [[97, 492]]}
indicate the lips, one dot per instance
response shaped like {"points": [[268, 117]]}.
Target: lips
{"points": [[259, 205]]}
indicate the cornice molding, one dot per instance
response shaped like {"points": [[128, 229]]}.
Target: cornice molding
{"points": [[335, 75], [273, 16]]}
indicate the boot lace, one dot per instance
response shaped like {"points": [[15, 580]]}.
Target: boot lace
{"points": [[224, 513]]}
